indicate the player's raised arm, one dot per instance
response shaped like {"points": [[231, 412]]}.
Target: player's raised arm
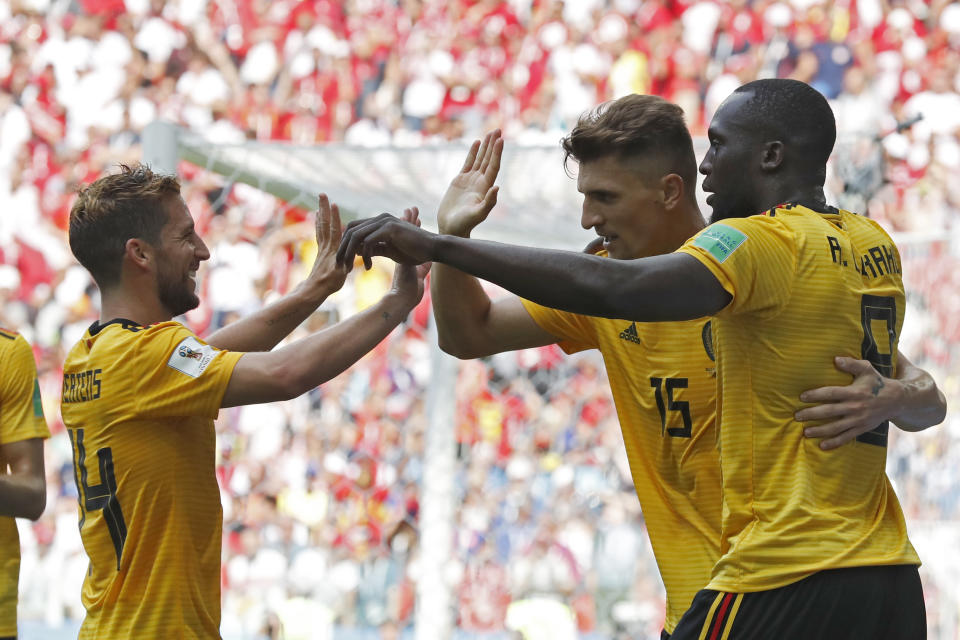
{"points": [[262, 330], [911, 400], [306, 363], [668, 287], [469, 323]]}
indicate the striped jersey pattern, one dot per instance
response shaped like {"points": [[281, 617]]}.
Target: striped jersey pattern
{"points": [[139, 403], [806, 286], [662, 378]]}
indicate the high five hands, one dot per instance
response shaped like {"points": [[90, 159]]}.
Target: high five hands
{"points": [[471, 194], [466, 203]]}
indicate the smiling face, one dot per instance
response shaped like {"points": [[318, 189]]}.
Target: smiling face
{"points": [[179, 255], [624, 205], [730, 164]]}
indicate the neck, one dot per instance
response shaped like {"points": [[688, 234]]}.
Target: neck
{"points": [[139, 304], [689, 222], [809, 196]]}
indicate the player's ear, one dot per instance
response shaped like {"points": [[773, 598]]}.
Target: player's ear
{"points": [[773, 155], [673, 189], [138, 252]]}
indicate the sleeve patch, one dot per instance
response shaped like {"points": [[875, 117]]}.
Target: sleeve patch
{"points": [[191, 357], [720, 241]]}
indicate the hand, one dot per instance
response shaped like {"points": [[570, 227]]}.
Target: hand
{"points": [[471, 194], [325, 272], [385, 235], [851, 410], [408, 280]]}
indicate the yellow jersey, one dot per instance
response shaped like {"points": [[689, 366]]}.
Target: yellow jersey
{"points": [[139, 403], [21, 418], [806, 287], [662, 379]]}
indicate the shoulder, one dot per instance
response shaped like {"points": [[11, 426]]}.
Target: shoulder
{"points": [[866, 224], [128, 341], [14, 347], [166, 336]]}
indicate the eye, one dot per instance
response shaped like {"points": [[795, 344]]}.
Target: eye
{"points": [[605, 198]]}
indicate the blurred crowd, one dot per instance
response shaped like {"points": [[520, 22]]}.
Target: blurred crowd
{"points": [[322, 495]]}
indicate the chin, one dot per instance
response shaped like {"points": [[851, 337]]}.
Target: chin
{"points": [[180, 303]]}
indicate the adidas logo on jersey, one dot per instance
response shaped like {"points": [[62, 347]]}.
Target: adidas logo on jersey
{"points": [[630, 334]]}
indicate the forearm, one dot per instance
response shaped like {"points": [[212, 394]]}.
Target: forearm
{"points": [[263, 330], [311, 361], [647, 290], [22, 496], [922, 404]]}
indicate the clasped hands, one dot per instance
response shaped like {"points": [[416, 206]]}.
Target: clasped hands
{"points": [[388, 236]]}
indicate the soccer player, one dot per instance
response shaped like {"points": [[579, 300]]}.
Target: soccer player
{"points": [[637, 173], [23, 488], [141, 391], [813, 542]]}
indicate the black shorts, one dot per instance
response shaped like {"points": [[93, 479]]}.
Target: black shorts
{"points": [[875, 603]]}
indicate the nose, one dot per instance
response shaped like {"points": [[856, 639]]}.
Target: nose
{"points": [[589, 218], [203, 253], [706, 166]]}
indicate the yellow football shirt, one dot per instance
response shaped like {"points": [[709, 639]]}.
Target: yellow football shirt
{"points": [[806, 287], [663, 384], [21, 418], [139, 403]]}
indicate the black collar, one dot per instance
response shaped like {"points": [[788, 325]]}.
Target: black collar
{"points": [[827, 208], [96, 327]]}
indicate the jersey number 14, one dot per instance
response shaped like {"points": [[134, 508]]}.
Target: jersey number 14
{"points": [[99, 496]]}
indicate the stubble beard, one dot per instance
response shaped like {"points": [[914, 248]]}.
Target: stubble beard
{"points": [[176, 297]]}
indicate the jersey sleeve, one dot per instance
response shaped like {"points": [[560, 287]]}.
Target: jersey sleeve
{"points": [[21, 411], [755, 260], [575, 332], [177, 374]]}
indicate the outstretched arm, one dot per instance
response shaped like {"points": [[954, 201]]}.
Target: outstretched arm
{"points": [[304, 364], [23, 492], [911, 400], [469, 323], [261, 331], [675, 286]]}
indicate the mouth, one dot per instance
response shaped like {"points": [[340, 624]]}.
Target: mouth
{"points": [[710, 198], [607, 240]]}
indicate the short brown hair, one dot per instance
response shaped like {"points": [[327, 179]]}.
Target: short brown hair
{"points": [[113, 209], [635, 126]]}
